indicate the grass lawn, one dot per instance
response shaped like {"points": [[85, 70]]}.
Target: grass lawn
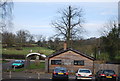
{"points": [[32, 66], [39, 66], [4, 61], [26, 50]]}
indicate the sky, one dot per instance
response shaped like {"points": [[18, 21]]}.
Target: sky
{"points": [[36, 17]]}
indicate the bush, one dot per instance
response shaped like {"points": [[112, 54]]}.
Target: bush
{"points": [[12, 56]]}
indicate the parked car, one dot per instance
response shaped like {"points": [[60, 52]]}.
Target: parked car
{"points": [[60, 73], [104, 75], [119, 77], [18, 63], [84, 74]]}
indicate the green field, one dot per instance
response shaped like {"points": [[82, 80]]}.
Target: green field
{"points": [[26, 50], [32, 66], [4, 61], [39, 66]]}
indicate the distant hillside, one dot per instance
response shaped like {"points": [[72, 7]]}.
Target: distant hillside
{"points": [[26, 50]]}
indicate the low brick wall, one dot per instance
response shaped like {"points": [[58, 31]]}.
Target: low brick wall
{"points": [[114, 67]]}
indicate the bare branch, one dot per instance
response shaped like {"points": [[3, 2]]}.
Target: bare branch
{"points": [[6, 7], [69, 23]]}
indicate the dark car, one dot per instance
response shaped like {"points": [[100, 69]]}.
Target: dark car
{"points": [[18, 63], [104, 75], [60, 73], [119, 77]]}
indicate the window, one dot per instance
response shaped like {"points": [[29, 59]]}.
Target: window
{"points": [[79, 62], [55, 62], [84, 71]]}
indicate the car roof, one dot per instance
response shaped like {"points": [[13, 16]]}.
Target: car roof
{"points": [[84, 69], [18, 60], [106, 70]]}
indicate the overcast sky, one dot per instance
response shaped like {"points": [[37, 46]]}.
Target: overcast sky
{"points": [[37, 16]]}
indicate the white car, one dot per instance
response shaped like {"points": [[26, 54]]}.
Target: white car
{"points": [[84, 74]]}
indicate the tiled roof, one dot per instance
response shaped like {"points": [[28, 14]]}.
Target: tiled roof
{"points": [[70, 49]]}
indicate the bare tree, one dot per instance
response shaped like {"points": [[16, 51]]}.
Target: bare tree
{"points": [[104, 31], [22, 36], [30, 38], [41, 40], [6, 8], [8, 38], [39, 37], [69, 24]]}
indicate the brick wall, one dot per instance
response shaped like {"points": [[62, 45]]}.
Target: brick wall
{"points": [[67, 59], [114, 67]]}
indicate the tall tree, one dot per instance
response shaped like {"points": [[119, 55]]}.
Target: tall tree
{"points": [[31, 38], [22, 36], [8, 38], [40, 39], [69, 24], [111, 41], [6, 8]]}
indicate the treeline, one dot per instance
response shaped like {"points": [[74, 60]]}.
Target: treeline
{"points": [[23, 38], [110, 43], [19, 39], [105, 48]]}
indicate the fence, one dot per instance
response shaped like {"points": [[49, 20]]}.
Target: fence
{"points": [[114, 67]]}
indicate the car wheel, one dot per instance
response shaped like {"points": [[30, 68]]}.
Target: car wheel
{"points": [[115, 80], [97, 79], [66, 80], [76, 79], [22, 66], [93, 80], [53, 79]]}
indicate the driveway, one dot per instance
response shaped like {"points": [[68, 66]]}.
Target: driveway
{"points": [[8, 65], [37, 80], [32, 80], [29, 75]]}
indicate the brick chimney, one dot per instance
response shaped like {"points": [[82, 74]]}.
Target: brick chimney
{"points": [[65, 45]]}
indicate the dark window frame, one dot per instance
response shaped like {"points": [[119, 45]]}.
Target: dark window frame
{"points": [[79, 62], [56, 62]]}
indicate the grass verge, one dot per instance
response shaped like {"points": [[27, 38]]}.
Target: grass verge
{"points": [[37, 66], [4, 61], [32, 66]]}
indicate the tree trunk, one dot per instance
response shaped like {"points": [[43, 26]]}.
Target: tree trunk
{"points": [[69, 28]]}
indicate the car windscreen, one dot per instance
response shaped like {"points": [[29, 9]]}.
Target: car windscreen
{"points": [[84, 71], [17, 62], [60, 70], [111, 72]]}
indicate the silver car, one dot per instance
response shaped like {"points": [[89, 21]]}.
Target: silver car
{"points": [[84, 74]]}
